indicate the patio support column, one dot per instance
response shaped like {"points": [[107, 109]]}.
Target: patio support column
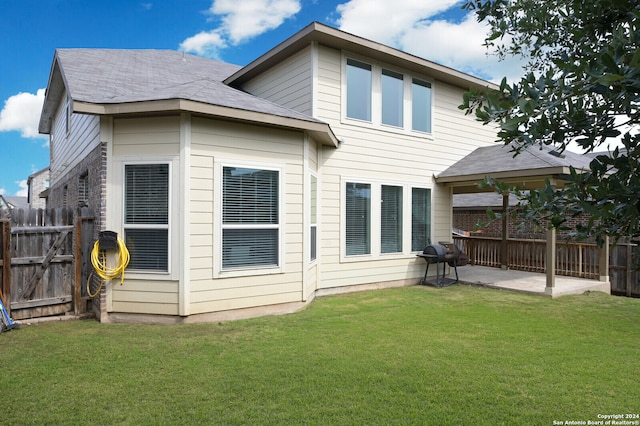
{"points": [[551, 261], [603, 261], [504, 245]]}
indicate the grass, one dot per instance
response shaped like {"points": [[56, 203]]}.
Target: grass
{"points": [[416, 355]]}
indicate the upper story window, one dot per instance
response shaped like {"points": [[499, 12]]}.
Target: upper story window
{"points": [[358, 90], [379, 96], [392, 98], [421, 106]]}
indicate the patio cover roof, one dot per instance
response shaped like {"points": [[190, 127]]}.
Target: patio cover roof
{"points": [[529, 169]]}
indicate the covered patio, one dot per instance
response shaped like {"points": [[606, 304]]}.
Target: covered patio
{"points": [[529, 170], [527, 282]]}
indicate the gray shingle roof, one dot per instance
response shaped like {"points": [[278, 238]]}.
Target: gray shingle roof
{"points": [[113, 76], [499, 158]]}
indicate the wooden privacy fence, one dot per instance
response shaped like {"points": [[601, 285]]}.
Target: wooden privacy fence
{"points": [[43, 256], [574, 259]]}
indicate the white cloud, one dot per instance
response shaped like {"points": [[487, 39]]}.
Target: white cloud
{"points": [[24, 189], [240, 21], [386, 21], [21, 113], [2, 191], [409, 25], [205, 43]]}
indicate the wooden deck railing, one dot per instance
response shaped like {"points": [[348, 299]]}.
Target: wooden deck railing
{"points": [[572, 258]]}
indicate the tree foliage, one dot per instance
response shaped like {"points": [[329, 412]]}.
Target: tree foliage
{"points": [[582, 84]]}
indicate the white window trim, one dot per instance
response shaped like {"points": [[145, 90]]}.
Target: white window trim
{"points": [[376, 98], [218, 270], [376, 212], [170, 274]]}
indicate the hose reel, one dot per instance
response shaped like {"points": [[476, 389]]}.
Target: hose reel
{"points": [[107, 241]]}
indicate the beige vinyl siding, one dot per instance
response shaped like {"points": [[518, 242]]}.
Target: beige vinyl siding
{"points": [[69, 148], [145, 297], [135, 140], [214, 143], [146, 137], [328, 102], [288, 84], [386, 156]]}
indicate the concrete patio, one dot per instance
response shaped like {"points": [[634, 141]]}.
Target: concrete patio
{"points": [[527, 282]]}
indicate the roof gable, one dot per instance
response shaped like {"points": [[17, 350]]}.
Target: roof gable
{"points": [[332, 37]]}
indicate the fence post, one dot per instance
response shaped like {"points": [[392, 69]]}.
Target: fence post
{"points": [[77, 258], [5, 228], [551, 261], [603, 261], [629, 271]]}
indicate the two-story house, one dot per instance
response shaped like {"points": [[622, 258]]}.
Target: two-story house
{"points": [[241, 191]]}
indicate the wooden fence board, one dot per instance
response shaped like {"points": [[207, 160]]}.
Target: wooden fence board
{"points": [[44, 262]]}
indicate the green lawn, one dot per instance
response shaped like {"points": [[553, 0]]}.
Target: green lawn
{"points": [[416, 355]]}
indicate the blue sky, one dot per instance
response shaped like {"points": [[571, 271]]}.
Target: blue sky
{"points": [[235, 31]]}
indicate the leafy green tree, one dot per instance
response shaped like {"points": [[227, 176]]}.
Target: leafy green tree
{"points": [[582, 84]]}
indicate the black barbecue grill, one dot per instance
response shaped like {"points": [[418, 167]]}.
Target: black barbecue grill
{"points": [[443, 253]]}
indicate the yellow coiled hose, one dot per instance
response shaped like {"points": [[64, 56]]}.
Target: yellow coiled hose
{"points": [[102, 270]]}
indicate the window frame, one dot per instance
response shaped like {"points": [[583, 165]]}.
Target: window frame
{"points": [[399, 77], [421, 82], [430, 218], [376, 219], [168, 226], [350, 62], [400, 216], [370, 225], [376, 121], [219, 271]]}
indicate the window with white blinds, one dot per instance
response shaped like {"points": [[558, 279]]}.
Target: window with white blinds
{"points": [[420, 218], [250, 217], [146, 216], [384, 220], [358, 219], [391, 219]]}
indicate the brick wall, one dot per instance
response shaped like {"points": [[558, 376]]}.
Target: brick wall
{"points": [[85, 186], [466, 220]]}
